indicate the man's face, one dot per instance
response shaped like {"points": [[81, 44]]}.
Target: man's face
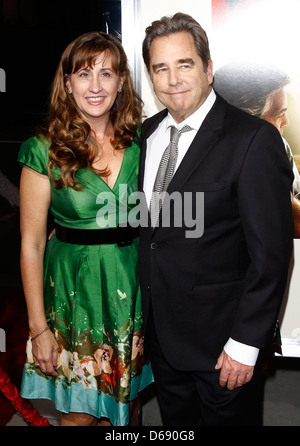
{"points": [[277, 113], [179, 80]]}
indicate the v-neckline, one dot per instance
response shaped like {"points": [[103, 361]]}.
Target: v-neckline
{"points": [[94, 183], [118, 176]]}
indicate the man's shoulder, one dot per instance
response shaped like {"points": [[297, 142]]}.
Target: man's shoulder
{"points": [[241, 120], [244, 128], [153, 121]]}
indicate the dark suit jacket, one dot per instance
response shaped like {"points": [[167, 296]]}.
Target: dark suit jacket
{"points": [[230, 281]]}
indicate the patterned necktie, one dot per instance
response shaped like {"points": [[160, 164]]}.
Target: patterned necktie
{"points": [[165, 173]]}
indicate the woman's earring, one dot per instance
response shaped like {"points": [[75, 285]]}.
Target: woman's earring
{"points": [[69, 91], [120, 91]]}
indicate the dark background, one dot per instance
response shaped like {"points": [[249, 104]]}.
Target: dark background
{"points": [[33, 35]]}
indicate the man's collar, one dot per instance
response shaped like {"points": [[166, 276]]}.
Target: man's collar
{"points": [[196, 119]]}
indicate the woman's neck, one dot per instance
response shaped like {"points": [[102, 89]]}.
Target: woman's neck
{"points": [[102, 128]]}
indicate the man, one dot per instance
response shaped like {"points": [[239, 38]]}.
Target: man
{"points": [[210, 301]]}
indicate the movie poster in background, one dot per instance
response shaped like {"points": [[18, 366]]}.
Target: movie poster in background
{"points": [[254, 46]]}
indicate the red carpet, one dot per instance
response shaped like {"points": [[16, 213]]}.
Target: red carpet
{"points": [[13, 320]]}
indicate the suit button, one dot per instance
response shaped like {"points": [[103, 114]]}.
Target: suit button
{"points": [[153, 246]]}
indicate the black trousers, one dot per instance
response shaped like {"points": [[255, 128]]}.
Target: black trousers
{"points": [[197, 399]]}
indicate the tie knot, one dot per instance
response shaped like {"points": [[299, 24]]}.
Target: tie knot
{"points": [[175, 133]]}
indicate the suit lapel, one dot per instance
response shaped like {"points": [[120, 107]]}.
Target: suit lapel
{"points": [[205, 139]]}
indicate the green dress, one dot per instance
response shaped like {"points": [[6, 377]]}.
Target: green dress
{"points": [[92, 297]]}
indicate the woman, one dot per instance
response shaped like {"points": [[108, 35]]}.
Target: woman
{"points": [[261, 90], [83, 299]]}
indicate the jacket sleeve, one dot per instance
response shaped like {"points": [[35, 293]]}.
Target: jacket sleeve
{"points": [[264, 199]]}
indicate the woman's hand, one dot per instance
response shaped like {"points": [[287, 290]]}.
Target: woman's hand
{"points": [[45, 353]]}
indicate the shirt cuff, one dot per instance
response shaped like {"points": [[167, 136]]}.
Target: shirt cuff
{"points": [[245, 354]]}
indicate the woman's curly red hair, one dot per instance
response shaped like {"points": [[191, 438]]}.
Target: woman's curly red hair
{"points": [[72, 144]]}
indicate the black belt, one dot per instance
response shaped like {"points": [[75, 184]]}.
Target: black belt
{"points": [[122, 236]]}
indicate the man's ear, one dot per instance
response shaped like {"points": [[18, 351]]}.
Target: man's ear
{"points": [[210, 72]]}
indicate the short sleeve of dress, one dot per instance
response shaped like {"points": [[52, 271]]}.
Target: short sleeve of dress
{"points": [[34, 153]]}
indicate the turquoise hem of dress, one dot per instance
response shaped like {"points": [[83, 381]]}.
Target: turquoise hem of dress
{"points": [[84, 400]]}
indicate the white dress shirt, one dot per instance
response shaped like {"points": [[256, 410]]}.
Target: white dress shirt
{"points": [[156, 145], [159, 140]]}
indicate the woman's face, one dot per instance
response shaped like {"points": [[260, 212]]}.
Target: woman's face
{"points": [[95, 88]]}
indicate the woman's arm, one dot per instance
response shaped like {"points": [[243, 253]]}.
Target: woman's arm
{"points": [[34, 204]]}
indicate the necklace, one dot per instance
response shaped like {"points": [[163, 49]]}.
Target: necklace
{"points": [[101, 145], [103, 139]]}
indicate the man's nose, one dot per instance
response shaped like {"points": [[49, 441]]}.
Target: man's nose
{"points": [[174, 77]]}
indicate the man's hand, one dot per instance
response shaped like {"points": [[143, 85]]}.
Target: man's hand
{"points": [[233, 373]]}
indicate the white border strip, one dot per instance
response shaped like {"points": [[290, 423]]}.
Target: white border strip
{"points": [[131, 39]]}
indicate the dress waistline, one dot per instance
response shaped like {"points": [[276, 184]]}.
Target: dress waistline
{"points": [[122, 236]]}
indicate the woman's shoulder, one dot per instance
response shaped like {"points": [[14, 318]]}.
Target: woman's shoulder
{"points": [[36, 143], [34, 153]]}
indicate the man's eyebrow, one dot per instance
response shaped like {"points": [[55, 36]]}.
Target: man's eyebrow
{"points": [[157, 66], [188, 60]]}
